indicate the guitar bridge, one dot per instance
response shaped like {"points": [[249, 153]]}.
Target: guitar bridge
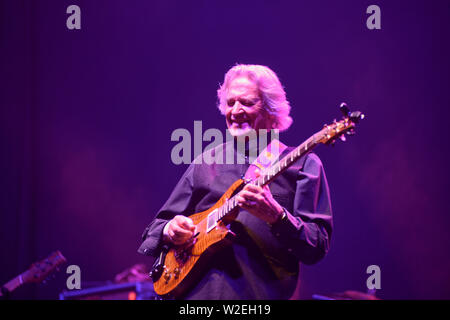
{"points": [[211, 221]]}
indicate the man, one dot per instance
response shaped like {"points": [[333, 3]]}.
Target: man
{"points": [[278, 226]]}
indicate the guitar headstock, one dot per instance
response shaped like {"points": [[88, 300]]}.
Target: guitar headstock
{"points": [[39, 271], [331, 132]]}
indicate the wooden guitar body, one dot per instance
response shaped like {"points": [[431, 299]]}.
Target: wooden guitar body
{"points": [[179, 272]]}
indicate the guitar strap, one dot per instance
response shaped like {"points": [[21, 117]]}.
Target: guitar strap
{"points": [[266, 158]]}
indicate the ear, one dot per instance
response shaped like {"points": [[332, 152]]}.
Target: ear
{"points": [[273, 122]]}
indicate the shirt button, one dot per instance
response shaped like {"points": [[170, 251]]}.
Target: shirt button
{"points": [[277, 234], [290, 250]]}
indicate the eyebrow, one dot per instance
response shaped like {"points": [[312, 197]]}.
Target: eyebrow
{"points": [[244, 96]]}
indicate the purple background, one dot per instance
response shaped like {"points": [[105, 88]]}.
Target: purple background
{"points": [[86, 119]]}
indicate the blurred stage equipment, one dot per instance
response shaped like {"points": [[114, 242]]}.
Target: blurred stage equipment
{"points": [[131, 284], [38, 272], [348, 295]]}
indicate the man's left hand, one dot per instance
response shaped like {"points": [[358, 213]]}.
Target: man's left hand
{"points": [[260, 202]]}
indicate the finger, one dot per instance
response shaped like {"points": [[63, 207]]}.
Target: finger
{"points": [[266, 188], [240, 199], [251, 196], [185, 222], [246, 206], [253, 188], [188, 224], [180, 232]]}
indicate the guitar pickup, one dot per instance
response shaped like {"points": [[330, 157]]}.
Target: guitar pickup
{"points": [[211, 221]]}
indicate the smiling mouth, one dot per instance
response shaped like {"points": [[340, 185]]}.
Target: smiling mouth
{"points": [[239, 123]]}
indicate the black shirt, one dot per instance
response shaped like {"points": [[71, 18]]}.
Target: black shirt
{"points": [[263, 260]]}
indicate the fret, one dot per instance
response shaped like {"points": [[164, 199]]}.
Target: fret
{"points": [[273, 171]]}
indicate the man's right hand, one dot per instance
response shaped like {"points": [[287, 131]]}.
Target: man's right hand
{"points": [[179, 230]]}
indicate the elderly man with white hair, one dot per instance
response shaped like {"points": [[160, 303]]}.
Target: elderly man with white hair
{"points": [[279, 226]]}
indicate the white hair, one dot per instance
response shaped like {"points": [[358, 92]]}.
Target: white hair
{"points": [[272, 92]]}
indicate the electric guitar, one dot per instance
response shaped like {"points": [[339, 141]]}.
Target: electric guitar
{"points": [[37, 272], [179, 267]]}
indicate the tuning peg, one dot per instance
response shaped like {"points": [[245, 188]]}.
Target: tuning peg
{"points": [[332, 142], [356, 116], [344, 109], [343, 138]]}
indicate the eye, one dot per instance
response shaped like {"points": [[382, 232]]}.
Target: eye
{"points": [[231, 102], [247, 103]]}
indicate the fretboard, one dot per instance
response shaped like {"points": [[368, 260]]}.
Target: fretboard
{"points": [[269, 174]]}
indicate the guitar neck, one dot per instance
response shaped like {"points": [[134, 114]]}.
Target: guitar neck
{"points": [[271, 173], [14, 283], [37, 272], [268, 175]]}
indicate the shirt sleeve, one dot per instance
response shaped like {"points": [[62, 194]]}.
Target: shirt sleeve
{"points": [[306, 231], [178, 203]]}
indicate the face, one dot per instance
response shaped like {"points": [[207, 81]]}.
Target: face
{"points": [[244, 110]]}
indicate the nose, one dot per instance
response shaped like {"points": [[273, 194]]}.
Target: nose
{"points": [[237, 107]]}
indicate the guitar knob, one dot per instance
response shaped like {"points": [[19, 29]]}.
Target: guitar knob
{"points": [[176, 272], [167, 276]]}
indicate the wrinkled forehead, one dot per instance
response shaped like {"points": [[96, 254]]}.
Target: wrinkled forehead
{"points": [[242, 86]]}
